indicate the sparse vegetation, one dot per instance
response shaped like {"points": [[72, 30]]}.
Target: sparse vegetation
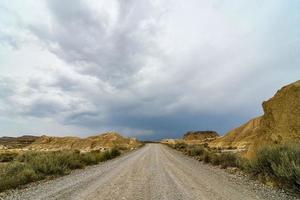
{"points": [[15, 174], [196, 151], [180, 145], [32, 166], [213, 156], [279, 165], [8, 156]]}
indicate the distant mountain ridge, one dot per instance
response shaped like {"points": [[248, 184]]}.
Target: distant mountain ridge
{"points": [[99, 142], [280, 124], [17, 142], [50, 143]]}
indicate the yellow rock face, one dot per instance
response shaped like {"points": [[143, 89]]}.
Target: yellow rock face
{"points": [[280, 124]]}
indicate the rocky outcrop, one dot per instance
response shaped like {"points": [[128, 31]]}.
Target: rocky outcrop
{"points": [[200, 135], [280, 124]]}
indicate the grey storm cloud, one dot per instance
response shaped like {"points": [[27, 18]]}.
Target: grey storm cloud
{"points": [[112, 49], [155, 68]]}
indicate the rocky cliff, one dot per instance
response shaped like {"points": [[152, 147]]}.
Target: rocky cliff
{"points": [[280, 124]]}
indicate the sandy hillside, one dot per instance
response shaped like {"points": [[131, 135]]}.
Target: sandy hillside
{"points": [[98, 142], [280, 124]]}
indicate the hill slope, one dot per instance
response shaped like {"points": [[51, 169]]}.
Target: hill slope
{"points": [[279, 124], [17, 142], [200, 135], [99, 142]]}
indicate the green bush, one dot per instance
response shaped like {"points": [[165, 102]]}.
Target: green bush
{"points": [[280, 164]]}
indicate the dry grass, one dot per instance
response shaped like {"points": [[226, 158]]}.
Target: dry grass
{"points": [[279, 165], [8, 156], [32, 166]]}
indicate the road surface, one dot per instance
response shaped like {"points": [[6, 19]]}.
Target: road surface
{"points": [[152, 172]]}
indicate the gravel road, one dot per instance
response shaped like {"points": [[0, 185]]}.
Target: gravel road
{"points": [[152, 172]]}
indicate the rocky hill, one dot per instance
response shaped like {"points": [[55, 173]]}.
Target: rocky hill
{"points": [[200, 135], [280, 124], [193, 138], [16, 142], [99, 142]]}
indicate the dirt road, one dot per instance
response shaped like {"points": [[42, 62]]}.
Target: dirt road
{"points": [[152, 172]]}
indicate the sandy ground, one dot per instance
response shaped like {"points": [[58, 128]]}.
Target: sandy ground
{"points": [[152, 172]]}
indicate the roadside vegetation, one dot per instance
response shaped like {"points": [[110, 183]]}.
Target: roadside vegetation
{"points": [[32, 166], [278, 165], [7, 156]]}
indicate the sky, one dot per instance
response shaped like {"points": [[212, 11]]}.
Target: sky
{"points": [[150, 69]]}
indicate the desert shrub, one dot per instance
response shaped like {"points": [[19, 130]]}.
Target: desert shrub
{"points": [[261, 165], [2, 167], [242, 163], [106, 156], [31, 166], [17, 174], [95, 157], [71, 159], [180, 145], [196, 151], [115, 152], [52, 163], [92, 158], [47, 163], [280, 164], [207, 156], [215, 159], [8, 156], [228, 160], [77, 151]]}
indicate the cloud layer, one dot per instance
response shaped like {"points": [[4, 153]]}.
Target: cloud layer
{"points": [[148, 68]]}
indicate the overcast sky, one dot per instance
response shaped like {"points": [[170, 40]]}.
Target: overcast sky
{"points": [[146, 68]]}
